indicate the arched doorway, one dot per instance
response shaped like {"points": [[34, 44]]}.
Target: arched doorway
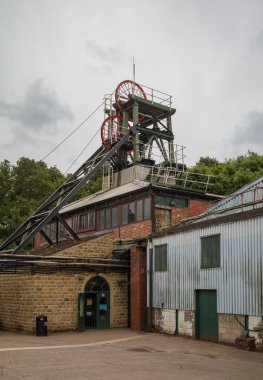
{"points": [[94, 305]]}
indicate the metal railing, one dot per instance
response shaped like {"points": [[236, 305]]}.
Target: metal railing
{"points": [[154, 96], [170, 176]]}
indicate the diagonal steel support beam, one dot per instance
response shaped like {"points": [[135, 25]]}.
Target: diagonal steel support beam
{"points": [[65, 224], [93, 168]]}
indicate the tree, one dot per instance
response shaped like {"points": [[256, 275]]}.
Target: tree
{"points": [[26, 185], [23, 187], [231, 174]]}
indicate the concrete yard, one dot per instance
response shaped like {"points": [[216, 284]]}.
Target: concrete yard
{"points": [[122, 354]]}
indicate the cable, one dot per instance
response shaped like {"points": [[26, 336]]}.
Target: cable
{"points": [[242, 325], [85, 147], [78, 127]]}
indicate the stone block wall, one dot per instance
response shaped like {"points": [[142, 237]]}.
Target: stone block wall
{"points": [[164, 320], [229, 328], [100, 246], [186, 323], [256, 324], [23, 297]]}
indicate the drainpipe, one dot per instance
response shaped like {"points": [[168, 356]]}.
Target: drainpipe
{"points": [[176, 333], [150, 290]]}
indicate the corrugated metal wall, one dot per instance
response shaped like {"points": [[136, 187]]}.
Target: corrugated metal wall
{"points": [[238, 281]]}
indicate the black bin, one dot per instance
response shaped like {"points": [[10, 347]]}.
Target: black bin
{"points": [[41, 325]]}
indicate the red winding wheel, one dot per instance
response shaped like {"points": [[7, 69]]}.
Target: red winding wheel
{"points": [[126, 88], [110, 130]]}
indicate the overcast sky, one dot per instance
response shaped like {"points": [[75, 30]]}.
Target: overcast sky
{"points": [[59, 57]]}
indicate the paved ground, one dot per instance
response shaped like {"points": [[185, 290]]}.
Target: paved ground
{"points": [[122, 354]]}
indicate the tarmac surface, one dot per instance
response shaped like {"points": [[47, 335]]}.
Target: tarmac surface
{"points": [[122, 354]]}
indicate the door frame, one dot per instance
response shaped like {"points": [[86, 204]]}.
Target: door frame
{"points": [[197, 316]]}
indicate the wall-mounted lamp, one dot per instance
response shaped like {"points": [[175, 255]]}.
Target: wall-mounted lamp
{"points": [[80, 277]]}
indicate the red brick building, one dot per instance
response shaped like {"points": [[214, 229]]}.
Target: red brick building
{"points": [[131, 211]]}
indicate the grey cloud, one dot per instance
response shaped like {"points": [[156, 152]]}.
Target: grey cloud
{"points": [[40, 107], [109, 54], [257, 42], [250, 131], [101, 69]]}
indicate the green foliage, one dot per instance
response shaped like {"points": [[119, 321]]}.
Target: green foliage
{"points": [[92, 187], [25, 186], [231, 174]]}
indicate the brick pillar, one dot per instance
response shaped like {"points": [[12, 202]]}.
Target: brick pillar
{"points": [[138, 289]]}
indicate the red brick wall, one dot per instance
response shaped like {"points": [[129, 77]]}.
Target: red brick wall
{"points": [[196, 206], [138, 289], [132, 230]]}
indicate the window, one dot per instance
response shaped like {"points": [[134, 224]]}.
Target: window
{"points": [[108, 218], [124, 214], [131, 212], [50, 230], [114, 216], [171, 201], [138, 211], [61, 231], [160, 258], [210, 251], [84, 221], [147, 208], [102, 219]]}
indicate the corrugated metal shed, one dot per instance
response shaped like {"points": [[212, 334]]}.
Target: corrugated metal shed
{"points": [[249, 197], [238, 281]]}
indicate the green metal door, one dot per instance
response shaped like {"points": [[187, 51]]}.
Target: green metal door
{"points": [[81, 311], [103, 310], [206, 315], [91, 310]]}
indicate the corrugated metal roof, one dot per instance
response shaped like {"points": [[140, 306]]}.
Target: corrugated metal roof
{"points": [[247, 198], [107, 194]]}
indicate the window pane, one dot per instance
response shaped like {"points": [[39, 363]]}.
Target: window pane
{"points": [[179, 202], [75, 223], [124, 214], [91, 223], [102, 219], [62, 230], [147, 208], [83, 222], [210, 252], [159, 200], [160, 258], [108, 221], [131, 212], [114, 216], [139, 211], [171, 201]]}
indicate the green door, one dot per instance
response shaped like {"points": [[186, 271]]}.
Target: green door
{"points": [[103, 310], [81, 312], [206, 315]]}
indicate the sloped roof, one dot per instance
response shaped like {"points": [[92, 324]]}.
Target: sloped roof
{"points": [[247, 198], [106, 194]]}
